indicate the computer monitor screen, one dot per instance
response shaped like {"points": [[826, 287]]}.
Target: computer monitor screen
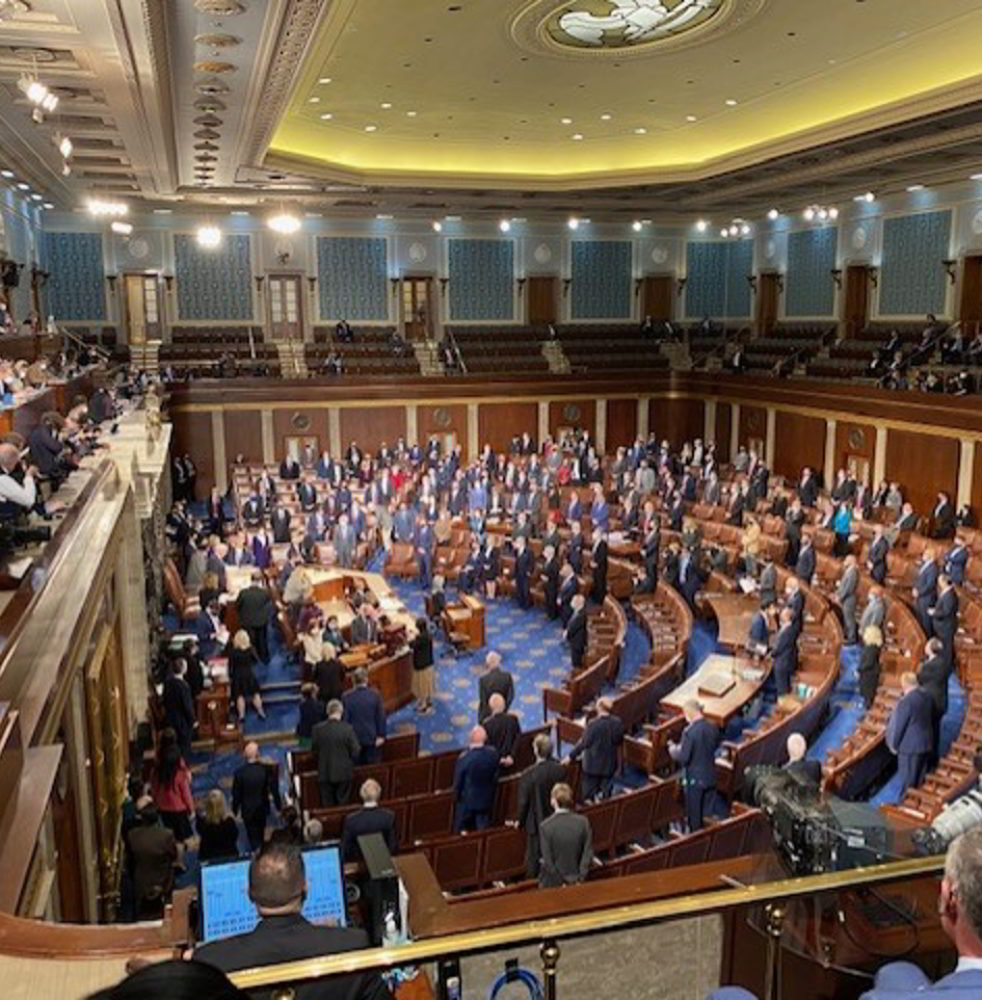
{"points": [[226, 908]]}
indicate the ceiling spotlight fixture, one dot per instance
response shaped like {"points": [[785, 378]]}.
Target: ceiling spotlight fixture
{"points": [[702, 225], [208, 237], [48, 204], [410, 114], [576, 136], [821, 213], [976, 177], [121, 228], [38, 94], [324, 79], [437, 227], [773, 214], [383, 216], [371, 128], [867, 197], [285, 224], [573, 223], [21, 186], [565, 121], [6, 173], [691, 118], [99, 207], [386, 105], [737, 227], [64, 144], [636, 225], [327, 116], [724, 233], [36, 197], [730, 103], [640, 130], [313, 100], [504, 225], [606, 116], [915, 187]]}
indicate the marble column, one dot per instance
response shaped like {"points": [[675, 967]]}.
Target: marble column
{"points": [[966, 471], [473, 445], [218, 449], [880, 456], [601, 430], [643, 417], [334, 431], [543, 428], [709, 421], [830, 426], [412, 430], [734, 430], [770, 435], [269, 442]]}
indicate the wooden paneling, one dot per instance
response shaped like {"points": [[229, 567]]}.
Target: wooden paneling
{"points": [[768, 302], [798, 441], [855, 307], [192, 433], [724, 424], [922, 464], [580, 413], [302, 422], [658, 296], [244, 435], [854, 439], [371, 425], [753, 424], [442, 420], [976, 500], [622, 422], [677, 420], [498, 423], [542, 294]]}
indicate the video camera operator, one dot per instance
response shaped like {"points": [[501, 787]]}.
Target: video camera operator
{"points": [[18, 491]]}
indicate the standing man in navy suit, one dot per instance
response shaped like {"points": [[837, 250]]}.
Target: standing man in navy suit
{"points": [[576, 631], [877, 558], [933, 677], [944, 617], [696, 752], [805, 566], [785, 652], [598, 747], [425, 544], [363, 708], [955, 560], [926, 590], [599, 591], [524, 564], [474, 782], [910, 732]]}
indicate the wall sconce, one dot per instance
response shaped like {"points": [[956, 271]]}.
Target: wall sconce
{"points": [[311, 281], [752, 282], [39, 278], [443, 285], [169, 281], [836, 276], [681, 287], [951, 269], [521, 285], [111, 279], [259, 279], [566, 283], [874, 277], [638, 282]]}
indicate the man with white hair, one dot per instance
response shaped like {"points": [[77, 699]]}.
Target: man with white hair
{"points": [[696, 752], [599, 746], [474, 782], [805, 772], [960, 909], [493, 680], [18, 492]]}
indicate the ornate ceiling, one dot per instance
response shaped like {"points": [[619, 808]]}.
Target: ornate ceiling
{"points": [[604, 106]]}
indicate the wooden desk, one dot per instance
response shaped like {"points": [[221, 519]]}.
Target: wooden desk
{"points": [[724, 707], [734, 613], [467, 617]]}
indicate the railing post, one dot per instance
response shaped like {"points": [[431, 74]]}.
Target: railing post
{"points": [[550, 959], [774, 925]]}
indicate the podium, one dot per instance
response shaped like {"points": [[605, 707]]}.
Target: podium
{"points": [[466, 621]]}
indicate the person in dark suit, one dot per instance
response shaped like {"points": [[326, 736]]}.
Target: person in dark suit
{"points": [[690, 576], [550, 581], [794, 601], [474, 783], [337, 749], [943, 517], [808, 773], [365, 711], [278, 889], [696, 752], [534, 793], [494, 679], [933, 677], [280, 523], [524, 564], [179, 706], [910, 732], [925, 590], [944, 618], [567, 591], [808, 487], [955, 561], [876, 561], [598, 746], [785, 652], [312, 712], [371, 818], [503, 730], [599, 556], [759, 636], [566, 841], [152, 851], [574, 550], [869, 664], [804, 567], [793, 521], [328, 674], [255, 607], [46, 447], [767, 584], [364, 628], [847, 595], [576, 631], [253, 788]]}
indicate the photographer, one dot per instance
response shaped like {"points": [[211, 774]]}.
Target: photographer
{"points": [[18, 492]]}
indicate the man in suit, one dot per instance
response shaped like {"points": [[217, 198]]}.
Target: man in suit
{"points": [[503, 729], [494, 680], [566, 842], [534, 794], [959, 906], [280, 523], [933, 677], [425, 547], [793, 521], [278, 889], [759, 635], [808, 773], [239, 554], [847, 595], [599, 559], [254, 607], [307, 493], [364, 628], [876, 561], [576, 631], [785, 652], [345, 542], [253, 788], [690, 576], [524, 564], [179, 706], [289, 468], [808, 487], [696, 752], [875, 612], [944, 619], [371, 818], [598, 746], [910, 732], [574, 552], [567, 591], [804, 567], [550, 580], [599, 510], [254, 509], [767, 584], [474, 783], [925, 590], [152, 854], [365, 711], [337, 750], [955, 560], [794, 601]]}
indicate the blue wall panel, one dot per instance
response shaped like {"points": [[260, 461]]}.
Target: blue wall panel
{"points": [[601, 273], [352, 275], [482, 279], [716, 278], [912, 278], [810, 290], [76, 289], [213, 284]]}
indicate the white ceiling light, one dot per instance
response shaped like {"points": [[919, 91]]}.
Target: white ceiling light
{"points": [[327, 116], [48, 204], [208, 237], [383, 216], [21, 186], [576, 136], [504, 225], [867, 197], [313, 100], [285, 224], [915, 187], [833, 212], [437, 227], [386, 105], [636, 225], [36, 197], [410, 114], [724, 233], [640, 130], [808, 214], [702, 225], [121, 228], [691, 118], [63, 143], [566, 121], [371, 128], [573, 223], [773, 214], [98, 207], [324, 79], [730, 103], [976, 177], [6, 173], [606, 116]]}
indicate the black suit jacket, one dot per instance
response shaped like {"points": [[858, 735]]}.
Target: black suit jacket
{"points": [[933, 677], [290, 937], [576, 633], [178, 704], [337, 748], [567, 849], [374, 820], [534, 791], [806, 772], [495, 681], [503, 731], [252, 788], [599, 745], [253, 606]]}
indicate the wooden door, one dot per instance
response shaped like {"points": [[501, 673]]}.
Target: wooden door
{"points": [[417, 307], [855, 309], [658, 297], [285, 306], [768, 301], [141, 301], [970, 307], [542, 294]]}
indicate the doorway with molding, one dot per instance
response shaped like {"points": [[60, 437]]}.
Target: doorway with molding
{"points": [[417, 306], [284, 295], [141, 307]]}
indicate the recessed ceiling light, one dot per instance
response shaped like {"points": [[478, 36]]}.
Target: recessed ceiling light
{"points": [[239, 211], [976, 177], [327, 116], [324, 79], [640, 130], [577, 136], [730, 102], [386, 105], [313, 100], [915, 187], [573, 223], [47, 204], [410, 114], [24, 187], [451, 218], [702, 225], [437, 227], [36, 196], [691, 118], [773, 214], [6, 173], [371, 128], [566, 121], [636, 225], [383, 216], [162, 211], [867, 197], [606, 116], [504, 225]]}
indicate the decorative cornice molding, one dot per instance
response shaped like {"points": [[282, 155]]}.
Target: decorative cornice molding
{"points": [[159, 43]]}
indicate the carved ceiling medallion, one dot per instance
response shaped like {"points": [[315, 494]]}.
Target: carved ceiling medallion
{"points": [[217, 40], [214, 66], [223, 8]]}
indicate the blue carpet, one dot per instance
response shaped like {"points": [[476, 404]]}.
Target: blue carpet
{"points": [[845, 707]]}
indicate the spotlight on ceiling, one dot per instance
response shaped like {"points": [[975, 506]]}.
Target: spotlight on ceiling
{"points": [[702, 225], [99, 207], [208, 237], [437, 227], [773, 214], [867, 197], [573, 223], [285, 224], [636, 225], [504, 226], [808, 214], [122, 228]]}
